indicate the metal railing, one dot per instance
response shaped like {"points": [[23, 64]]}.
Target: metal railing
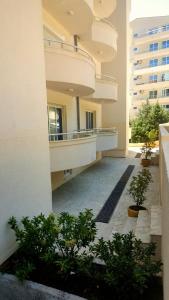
{"points": [[105, 21], [112, 130], [147, 50], [137, 98], [83, 133], [68, 47], [140, 66], [147, 82], [53, 137], [106, 78], [152, 31]]}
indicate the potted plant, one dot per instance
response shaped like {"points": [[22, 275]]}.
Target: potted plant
{"points": [[137, 189], [147, 147], [146, 154]]}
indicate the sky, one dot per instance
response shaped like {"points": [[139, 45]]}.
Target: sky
{"points": [[148, 8]]}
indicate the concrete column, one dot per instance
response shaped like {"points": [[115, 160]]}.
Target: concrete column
{"points": [[117, 114]]}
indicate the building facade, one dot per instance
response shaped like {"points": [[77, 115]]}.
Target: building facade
{"points": [[150, 62], [63, 98]]}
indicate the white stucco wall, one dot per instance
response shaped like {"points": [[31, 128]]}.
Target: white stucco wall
{"points": [[164, 195], [117, 114], [24, 151]]}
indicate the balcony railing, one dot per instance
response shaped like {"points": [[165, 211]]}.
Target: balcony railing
{"points": [[83, 133], [137, 97], [54, 137], [105, 21], [147, 50], [140, 66], [151, 81], [103, 77], [66, 46]]}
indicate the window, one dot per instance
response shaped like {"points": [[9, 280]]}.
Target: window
{"points": [[166, 106], [153, 94], [153, 62], [153, 31], [165, 93], [67, 172], [165, 44], [55, 125], [90, 120], [165, 76], [165, 27], [165, 60], [153, 78], [153, 47]]}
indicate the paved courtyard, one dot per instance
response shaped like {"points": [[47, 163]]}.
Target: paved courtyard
{"points": [[92, 188]]}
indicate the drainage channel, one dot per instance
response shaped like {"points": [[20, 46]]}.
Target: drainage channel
{"points": [[110, 205]]}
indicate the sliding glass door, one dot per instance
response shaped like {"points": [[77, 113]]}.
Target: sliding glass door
{"points": [[55, 123]]}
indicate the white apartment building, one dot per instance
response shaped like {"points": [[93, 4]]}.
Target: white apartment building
{"points": [[150, 62], [64, 90]]}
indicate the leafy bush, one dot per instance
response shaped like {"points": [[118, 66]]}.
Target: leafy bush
{"points": [[129, 264], [139, 185], [59, 240], [75, 235], [148, 119]]}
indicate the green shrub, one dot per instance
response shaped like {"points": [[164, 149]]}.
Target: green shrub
{"points": [[139, 185], [129, 264], [59, 240]]}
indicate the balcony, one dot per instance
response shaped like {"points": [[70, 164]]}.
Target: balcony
{"points": [[107, 139], [101, 40], [146, 53], [77, 149], [71, 150], [147, 69], [161, 99], [151, 85], [104, 8], [106, 89], [76, 16], [69, 69]]}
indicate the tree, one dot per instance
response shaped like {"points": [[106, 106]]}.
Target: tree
{"points": [[148, 120]]}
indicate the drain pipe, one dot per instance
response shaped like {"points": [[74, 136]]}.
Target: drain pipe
{"points": [[78, 112], [75, 37]]}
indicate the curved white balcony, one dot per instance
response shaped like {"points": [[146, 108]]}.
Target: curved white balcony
{"points": [[106, 89], [104, 8], [69, 69], [76, 16], [101, 40], [107, 139], [74, 150]]}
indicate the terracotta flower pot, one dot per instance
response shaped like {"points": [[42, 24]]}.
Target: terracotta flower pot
{"points": [[145, 162], [133, 210]]}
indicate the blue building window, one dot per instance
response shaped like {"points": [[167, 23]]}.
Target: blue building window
{"points": [[165, 44], [165, 60], [153, 78], [153, 62], [153, 47]]}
